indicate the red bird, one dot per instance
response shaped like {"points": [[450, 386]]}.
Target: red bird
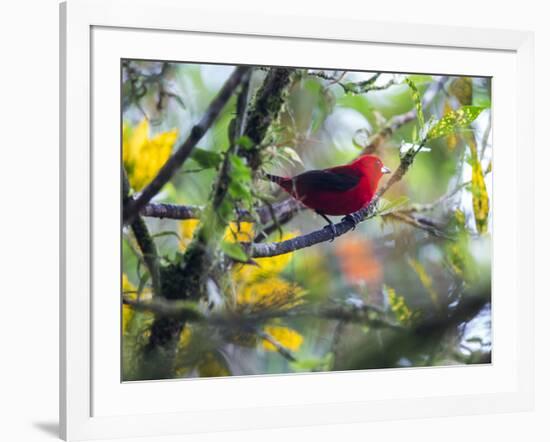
{"points": [[339, 190]]}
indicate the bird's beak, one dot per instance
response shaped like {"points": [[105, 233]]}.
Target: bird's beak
{"points": [[385, 170]]}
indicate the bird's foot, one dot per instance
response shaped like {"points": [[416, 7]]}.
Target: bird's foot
{"points": [[332, 230], [330, 224], [353, 218]]}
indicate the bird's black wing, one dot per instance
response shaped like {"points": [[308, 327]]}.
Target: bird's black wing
{"points": [[327, 180]]}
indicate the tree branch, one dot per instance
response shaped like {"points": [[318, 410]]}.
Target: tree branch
{"points": [[420, 223], [263, 214], [133, 206]]}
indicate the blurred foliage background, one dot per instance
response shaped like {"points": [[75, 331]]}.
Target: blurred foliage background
{"points": [[417, 276]]}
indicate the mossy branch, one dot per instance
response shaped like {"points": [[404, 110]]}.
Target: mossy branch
{"points": [[265, 109], [168, 309]]}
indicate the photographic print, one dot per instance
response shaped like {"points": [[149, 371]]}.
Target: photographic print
{"points": [[283, 220]]}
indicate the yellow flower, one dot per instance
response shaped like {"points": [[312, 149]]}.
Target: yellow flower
{"points": [[127, 311], [239, 232], [235, 232], [143, 156], [187, 230], [269, 293], [288, 338], [259, 286]]}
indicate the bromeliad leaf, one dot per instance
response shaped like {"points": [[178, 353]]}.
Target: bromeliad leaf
{"points": [[454, 120]]}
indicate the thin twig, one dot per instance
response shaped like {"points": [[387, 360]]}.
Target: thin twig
{"points": [[281, 349], [420, 223]]}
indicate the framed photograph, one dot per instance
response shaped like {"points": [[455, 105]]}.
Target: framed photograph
{"points": [[320, 220]]}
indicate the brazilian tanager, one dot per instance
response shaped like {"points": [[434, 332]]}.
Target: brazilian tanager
{"points": [[339, 190]]}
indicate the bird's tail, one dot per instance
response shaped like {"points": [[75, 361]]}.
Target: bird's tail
{"points": [[276, 179]]}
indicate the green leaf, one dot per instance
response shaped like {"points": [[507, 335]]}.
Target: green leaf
{"points": [[238, 190], [166, 233], [239, 168], [454, 120], [245, 142], [313, 364], [417, 104], [206, 158], [388, 206], [234, 251], [241, 178]]}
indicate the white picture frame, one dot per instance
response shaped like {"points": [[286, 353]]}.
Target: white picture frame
{"points": [[91, 406]]}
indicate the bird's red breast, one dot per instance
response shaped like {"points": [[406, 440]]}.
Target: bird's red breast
{"points": [[338, 190]]}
